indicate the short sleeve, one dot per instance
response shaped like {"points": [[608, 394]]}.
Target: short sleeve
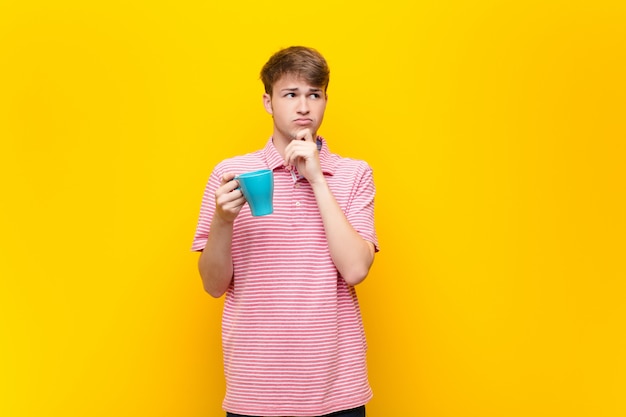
{"points": [[360, 212], [207, 209]]}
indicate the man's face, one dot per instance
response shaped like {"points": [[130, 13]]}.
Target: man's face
{"points": [[295, 105]]}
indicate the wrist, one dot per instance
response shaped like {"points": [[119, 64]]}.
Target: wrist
{"points": [[220, 221], [318, 182]]}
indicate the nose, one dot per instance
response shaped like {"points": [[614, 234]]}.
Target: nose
{"points": [[303, 105]]}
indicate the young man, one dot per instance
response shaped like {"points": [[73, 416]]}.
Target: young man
{"points": [[292, 334]]}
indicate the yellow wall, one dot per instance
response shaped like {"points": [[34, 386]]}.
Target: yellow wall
{"points": [[497, 134]]}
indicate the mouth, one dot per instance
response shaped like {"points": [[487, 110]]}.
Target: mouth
{"points": [[303, 122]]}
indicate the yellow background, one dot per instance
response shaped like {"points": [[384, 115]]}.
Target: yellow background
{"points": [[496, 131]]}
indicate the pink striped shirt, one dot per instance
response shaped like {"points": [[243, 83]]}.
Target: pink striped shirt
{"points": [[292, 334]]}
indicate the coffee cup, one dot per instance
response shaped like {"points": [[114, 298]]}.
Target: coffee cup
{"points": [[258, 190]]}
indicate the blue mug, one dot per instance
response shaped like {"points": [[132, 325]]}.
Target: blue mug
{"points": [[258, 190]]}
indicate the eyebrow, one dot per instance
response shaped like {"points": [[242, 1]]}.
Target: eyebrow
{"points": [[312, 89]]}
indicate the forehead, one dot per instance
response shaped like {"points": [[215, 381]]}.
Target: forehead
{"points": [[291, 81]]}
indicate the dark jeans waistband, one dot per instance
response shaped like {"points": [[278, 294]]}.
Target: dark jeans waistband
{"points": [[354, 412]]}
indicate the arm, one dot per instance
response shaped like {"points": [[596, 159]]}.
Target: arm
{"points": [[352, 255], [216, 263]]}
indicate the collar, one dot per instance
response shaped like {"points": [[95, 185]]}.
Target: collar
{"points": [[274, 160]]}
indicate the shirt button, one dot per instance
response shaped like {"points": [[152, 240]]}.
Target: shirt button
{"points": [[297, 185], [297, 204]]}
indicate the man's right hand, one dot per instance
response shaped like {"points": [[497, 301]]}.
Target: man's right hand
{"points": [[228, 198]]}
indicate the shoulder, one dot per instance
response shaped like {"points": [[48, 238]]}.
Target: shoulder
{"points": [[344, 166]]}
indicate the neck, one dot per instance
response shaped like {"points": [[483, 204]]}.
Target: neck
{"points": [[280, 143]]}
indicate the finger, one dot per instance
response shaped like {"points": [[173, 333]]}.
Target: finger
{"points": [[305, 134], [289, 154], [237, 203], [228, 198], [227, 188], [293, 157], [228, 176], [230, 210]]}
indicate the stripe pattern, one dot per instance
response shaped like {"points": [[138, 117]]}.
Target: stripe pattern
{"points": [[292, 333]]}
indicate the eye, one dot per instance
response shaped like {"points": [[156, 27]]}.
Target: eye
{"points": [[290, 95], [315, 95]]}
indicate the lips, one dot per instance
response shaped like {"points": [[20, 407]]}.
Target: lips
{"points": [[303, 122]]}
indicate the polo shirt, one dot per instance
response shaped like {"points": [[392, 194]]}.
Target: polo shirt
{"points": [[292, 334]]}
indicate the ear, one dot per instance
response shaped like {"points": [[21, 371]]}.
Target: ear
{"points": [[267, 103]]}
